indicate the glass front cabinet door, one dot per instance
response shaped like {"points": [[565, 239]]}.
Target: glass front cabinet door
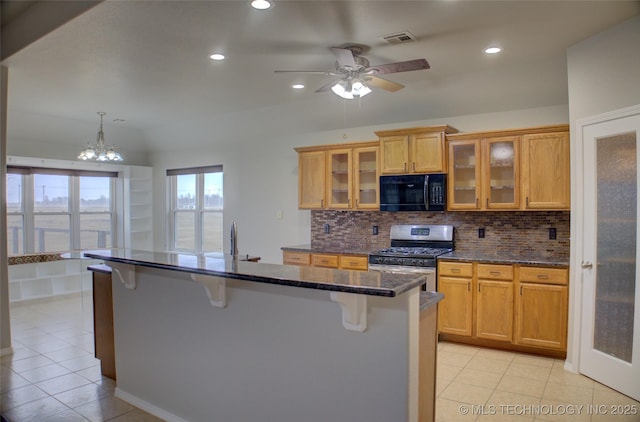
{"points": [[339, 178], [500, 172], [366, 170], [464, 175]]}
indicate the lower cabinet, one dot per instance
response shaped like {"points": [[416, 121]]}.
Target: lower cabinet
{"points": [[506, 306], [542, 308], [344, 262], [494, 302], [455, 312]]}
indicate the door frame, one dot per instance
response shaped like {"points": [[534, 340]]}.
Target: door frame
{"points": [[572, 362]]}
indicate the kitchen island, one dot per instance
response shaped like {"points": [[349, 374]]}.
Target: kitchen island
{"points": [[208, 338]]}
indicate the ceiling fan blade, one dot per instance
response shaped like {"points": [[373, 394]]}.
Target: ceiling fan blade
{"points": [[313, 72], [383, 83], [344, 57], [327, 87], [418, 64]]}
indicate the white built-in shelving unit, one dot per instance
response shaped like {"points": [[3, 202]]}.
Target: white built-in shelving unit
{"points": [[138, 208]]}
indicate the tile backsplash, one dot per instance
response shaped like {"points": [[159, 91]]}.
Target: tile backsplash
{"points": [[507, 232]]}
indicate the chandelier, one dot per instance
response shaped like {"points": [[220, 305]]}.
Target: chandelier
{"points": [[100, 151]]}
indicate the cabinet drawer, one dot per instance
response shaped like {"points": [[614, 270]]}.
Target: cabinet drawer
{"points": [[350, 262], [455, 269], [495, 272], [544, 275], [296, 258], [328, 261]]}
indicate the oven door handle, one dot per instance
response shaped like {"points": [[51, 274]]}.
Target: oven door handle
{"points": [[426, 192]]}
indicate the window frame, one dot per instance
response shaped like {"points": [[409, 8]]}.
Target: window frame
{"points": [[28, 213], [199, 210]]}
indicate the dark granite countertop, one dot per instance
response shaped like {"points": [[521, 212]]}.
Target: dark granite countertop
{"points": [[222, 265], [337, 250], [429, 299], [492, 258]]}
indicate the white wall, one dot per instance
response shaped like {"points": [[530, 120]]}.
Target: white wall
{"points": [[604, 75], [260, 177]]}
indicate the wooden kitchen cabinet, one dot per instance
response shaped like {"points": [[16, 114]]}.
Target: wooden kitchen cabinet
{"points": [[324, 260], [455, 311], [296, 258], [353, 262], [464, 175], [339, 176], [311, 179], [494, 302], [484, 173], [414, 150], [520, 169], [542, 307], [506, 306], [344, 262], [546, 171], [366, 171]]}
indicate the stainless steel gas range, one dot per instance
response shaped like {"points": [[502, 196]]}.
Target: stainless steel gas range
{"points": [[414, 249]]}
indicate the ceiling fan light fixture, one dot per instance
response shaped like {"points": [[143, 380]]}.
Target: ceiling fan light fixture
{"points": [[342, 90], [350, 88], [359, 89]]}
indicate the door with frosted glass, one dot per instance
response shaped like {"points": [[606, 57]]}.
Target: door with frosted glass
{"points": [[610, 337]]}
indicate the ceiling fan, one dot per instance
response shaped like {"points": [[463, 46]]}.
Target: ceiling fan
{"points": [[356, 75]]}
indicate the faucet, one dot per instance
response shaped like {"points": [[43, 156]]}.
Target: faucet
{"points": [[234, 239]]}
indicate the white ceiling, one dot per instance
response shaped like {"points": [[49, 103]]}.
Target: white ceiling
{"points": [[147, 62]]}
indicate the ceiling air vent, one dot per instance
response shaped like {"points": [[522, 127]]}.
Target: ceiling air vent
{"points": [[398, 37]]}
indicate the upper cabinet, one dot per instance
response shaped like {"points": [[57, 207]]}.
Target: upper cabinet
{"points": [[545, 171], [509, 170], [311, 179], [339, 176], [415, 150]]}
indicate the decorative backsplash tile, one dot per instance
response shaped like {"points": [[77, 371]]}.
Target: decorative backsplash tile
{"points": [[509, 232]]}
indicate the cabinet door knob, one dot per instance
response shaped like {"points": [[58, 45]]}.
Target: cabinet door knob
{"points": [[587, 265]]}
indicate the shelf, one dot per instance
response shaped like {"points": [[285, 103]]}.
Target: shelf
{"points": [[466, 188], [505, 187], [464, 166]]}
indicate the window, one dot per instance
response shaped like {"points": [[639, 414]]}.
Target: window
{"points": [[52, 210], [196, 209]]}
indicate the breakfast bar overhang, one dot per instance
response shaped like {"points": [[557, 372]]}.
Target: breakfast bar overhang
{"points": [[216, 338]]}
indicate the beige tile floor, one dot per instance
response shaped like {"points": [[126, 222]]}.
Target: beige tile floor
{"points": [[478, 384], [53, 376]]}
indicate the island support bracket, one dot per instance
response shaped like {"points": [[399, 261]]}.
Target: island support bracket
{"points": [[215, 287], [354, 310], [126, 273]]}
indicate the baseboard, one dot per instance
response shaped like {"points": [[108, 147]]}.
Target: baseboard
{"points": [[6, 351], [147, 407]]}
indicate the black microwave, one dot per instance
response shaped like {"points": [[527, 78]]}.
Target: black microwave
{"points": [[413, 192]]}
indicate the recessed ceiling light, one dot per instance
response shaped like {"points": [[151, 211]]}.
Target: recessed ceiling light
{"points": [[260, 4], [297, 86], [492, 50], [217, 56]]}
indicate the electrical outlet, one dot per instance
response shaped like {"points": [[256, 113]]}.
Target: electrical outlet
{"points": [[374, 230], [553, 234], [327, 228], [481, 233]]}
